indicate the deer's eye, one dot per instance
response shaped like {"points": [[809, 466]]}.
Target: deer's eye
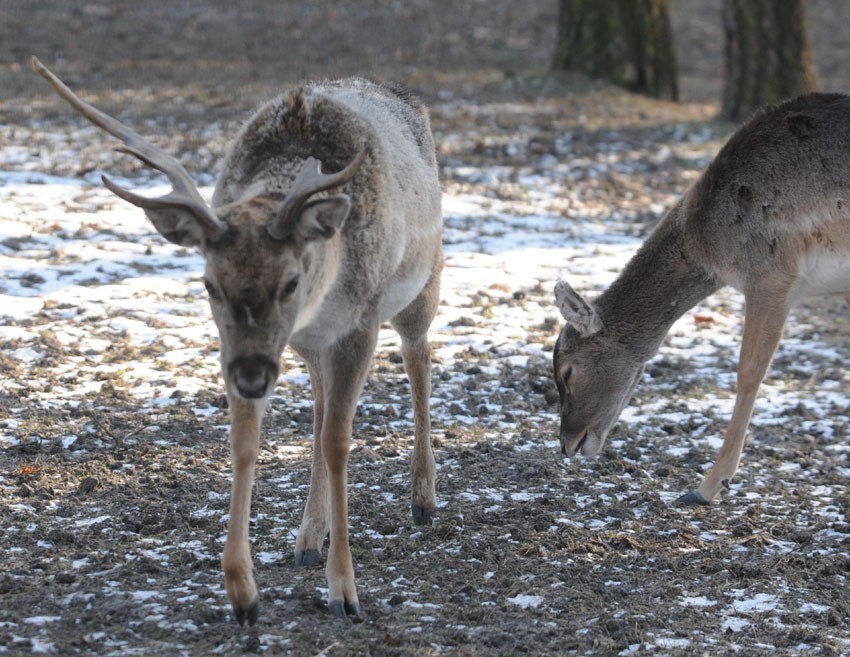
{"points": [[566, 373], [290, 287], [212, 291]]}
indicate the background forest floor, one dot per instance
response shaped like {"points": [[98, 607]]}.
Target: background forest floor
{"points": [[114, 467]]}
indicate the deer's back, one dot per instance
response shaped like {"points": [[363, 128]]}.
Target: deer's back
{"points": [[777, 192], [330, 121]]}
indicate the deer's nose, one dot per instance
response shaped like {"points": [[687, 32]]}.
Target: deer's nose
{"points": [[252, 376]]}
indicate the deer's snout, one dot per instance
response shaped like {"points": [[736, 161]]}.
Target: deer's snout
{"points": [[252, 375]]}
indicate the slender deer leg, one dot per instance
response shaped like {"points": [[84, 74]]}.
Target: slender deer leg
{"points": [[344, 369], [417, 363], [765, 317], [316, 519], [236, 560], [412, 324]]}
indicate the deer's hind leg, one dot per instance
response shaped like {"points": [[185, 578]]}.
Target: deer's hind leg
{"points": [[315, 522], [412, 324]]}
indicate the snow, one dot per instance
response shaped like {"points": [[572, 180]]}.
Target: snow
{"points": [[735, 624], [526, 601], [697, 601], [42, 620], [40, 647], [87, 522], [143, 596], [760, 603], [269, 557], [99, 280]]}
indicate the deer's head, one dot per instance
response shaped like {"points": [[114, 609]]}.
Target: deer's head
{"points": [[595, 375], [257, 250]]}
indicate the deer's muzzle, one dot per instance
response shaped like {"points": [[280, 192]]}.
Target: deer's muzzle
{"points": [[252, 376]]}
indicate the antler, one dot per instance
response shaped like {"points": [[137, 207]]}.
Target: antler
{"points": [[310, 180], [184, 193]]}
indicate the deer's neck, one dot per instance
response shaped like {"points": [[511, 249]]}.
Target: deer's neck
{"points": [[659, 284]]}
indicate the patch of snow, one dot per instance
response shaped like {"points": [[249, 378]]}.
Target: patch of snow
{"points": [[697, 601], [670, 643], [269, 557], [41, 647], [735, 624], [759, 603], [526, 601], [88, 522], [142, 596], [41, 620]]}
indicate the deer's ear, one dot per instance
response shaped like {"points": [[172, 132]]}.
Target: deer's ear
{"points": [[322, 218], [176, 224], [578, 313], [181, 219]]}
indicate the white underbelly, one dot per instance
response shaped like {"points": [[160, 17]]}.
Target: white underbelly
{"points": [[822, 273]]}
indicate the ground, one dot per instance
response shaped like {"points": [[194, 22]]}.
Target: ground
{"points": [[114, 467]]}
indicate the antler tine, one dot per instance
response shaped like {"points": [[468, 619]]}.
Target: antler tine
{"points": [[185, 192], [310, 180]]}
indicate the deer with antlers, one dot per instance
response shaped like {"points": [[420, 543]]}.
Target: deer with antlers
{"points": [[770, 216], [317, 261]]}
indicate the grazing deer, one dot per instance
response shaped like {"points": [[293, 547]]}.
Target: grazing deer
{"points": [[287, 262], [770, 216]]}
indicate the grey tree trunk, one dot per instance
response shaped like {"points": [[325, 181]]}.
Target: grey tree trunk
{"points": [[767, 54], [627, 42]]}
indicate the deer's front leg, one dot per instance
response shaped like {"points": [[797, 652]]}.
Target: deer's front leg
{"points": [[344, 369], [765, 318], [236, 561]]}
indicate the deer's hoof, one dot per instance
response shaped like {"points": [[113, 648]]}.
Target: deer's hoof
{"points": [[423, 515], [249, 613], [694, 498], [307, 558], [343, 609]]}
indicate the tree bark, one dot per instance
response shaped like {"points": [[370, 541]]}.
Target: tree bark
{"points": [[767, 54], [627, 42]]}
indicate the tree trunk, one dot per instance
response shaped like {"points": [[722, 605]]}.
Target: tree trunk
{"points": [[767, 54], [627, 42]]}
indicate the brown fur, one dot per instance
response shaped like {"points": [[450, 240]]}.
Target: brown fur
{"points": [[349, 259], [769, 217]]}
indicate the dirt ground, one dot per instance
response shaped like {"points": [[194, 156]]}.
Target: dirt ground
{"points": [[528, 554]]}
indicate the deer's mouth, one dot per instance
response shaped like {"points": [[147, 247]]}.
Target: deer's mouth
{"points": [[587, 442], [570, 444]]}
